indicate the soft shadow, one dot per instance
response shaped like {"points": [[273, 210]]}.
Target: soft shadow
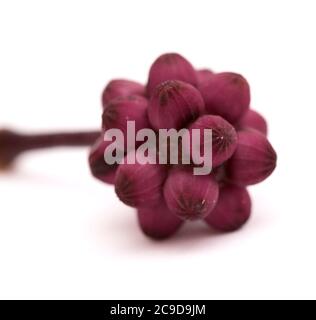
{"points": [[125, 236]]}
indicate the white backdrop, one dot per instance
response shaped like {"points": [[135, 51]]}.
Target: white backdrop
{"points": [[64, 235]]}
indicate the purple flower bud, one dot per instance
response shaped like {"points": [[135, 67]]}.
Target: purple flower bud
{"points": [[232, 211], [227, 95], [140, 185], [158, 222], [190, 196], [253, 161], [254, 120], [203, 76], [170, 66], [173, 104], [120, 110], [98, 166], [121, 88], [224, 138]]}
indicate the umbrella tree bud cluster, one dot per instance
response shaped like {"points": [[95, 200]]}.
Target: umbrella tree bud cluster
{"points": [[167, 193]]}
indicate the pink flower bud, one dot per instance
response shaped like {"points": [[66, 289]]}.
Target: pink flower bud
{"points": [[173, 104], [120, 110], [224, 138], [253, 161], [170, 66], [140, 185], [121, 88], [190, 196], [227, 95], [158, 222], [98, 166], [254, 120], [203, 76], [232, 210]]}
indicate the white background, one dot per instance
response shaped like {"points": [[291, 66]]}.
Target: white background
{"points": [[64, 235]]}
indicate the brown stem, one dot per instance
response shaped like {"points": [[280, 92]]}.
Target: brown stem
{"points": [[73, 139], [13, 144]]}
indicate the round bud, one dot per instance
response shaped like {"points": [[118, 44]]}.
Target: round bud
{"points": [[170, 66], [140, 184], [158, 222], [174, 104], [190, 196], [226, 94], [253, 161], [232, 211], [121, 88]]}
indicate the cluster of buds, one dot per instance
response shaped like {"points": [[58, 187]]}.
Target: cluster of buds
{"points": [[178, 96]]}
